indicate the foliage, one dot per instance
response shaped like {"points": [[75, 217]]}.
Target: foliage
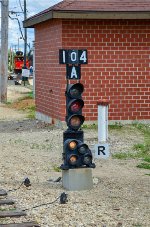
{"points": [[89, 126], [56, 168], [141, 150], [144, 165], [26, 104], [117, 126]]}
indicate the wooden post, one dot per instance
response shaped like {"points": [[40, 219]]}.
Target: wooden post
{"points": [[4, 51]]}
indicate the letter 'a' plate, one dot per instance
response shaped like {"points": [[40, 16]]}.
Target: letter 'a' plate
{"points": [[101, 151]]}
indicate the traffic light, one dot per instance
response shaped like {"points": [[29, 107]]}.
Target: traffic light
{"points": [[74, 105], [76, 154]]}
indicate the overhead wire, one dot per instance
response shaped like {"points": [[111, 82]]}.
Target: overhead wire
{"points": [[15, 18], [20, 5]]}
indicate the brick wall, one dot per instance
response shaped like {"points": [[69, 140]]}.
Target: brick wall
{"points": [[50, 83], [118, 66]]}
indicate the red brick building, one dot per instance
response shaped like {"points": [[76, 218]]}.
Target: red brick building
{"points": [[116, 34]]}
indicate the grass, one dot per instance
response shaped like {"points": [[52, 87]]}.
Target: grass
{"points": [[137, 225], [89, 126], [31, 110], [56, 168], [37, 146], [142, 150], [116, 126], [144, 165], [26, 104], [123, 155]]}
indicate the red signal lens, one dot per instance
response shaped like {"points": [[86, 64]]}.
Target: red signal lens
{"points": [[76, 106]]}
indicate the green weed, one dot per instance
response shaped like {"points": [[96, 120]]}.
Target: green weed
{"points": [[90, 126], [117, 126], [8, 102], [122, 155], [31, 112], [146, 159], [29, 95], [137, 225], [144, 165], [141, 150], [56, 168]]}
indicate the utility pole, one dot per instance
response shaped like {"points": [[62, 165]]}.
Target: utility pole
{"points": [[24, 69], [4, 51], [25, 36]]}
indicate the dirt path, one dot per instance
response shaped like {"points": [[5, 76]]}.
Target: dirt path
{"points": [[13, 94]]}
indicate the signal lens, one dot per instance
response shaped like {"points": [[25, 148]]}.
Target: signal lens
{"points": [[73, 160], [76, 90], [74, 93], [83, 149], [75, 121], [76, 106], [73, 145], [87, 159]]}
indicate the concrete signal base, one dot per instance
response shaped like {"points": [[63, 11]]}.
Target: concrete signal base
{"points": [[77, 179]]}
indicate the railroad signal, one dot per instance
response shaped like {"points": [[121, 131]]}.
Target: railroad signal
{"points": [[74, 105], [76, 154]]}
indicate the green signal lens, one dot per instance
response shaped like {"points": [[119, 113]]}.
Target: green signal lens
{"points": [[74, 93]]}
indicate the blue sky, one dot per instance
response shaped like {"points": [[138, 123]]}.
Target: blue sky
{"points": [[33, 7]]}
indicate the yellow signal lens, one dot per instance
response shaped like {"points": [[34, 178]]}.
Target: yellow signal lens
{"points": [[73, 159], [72, 145], [75, 121]]}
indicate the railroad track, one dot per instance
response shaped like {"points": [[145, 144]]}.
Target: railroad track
{"points": [[12, 213]]}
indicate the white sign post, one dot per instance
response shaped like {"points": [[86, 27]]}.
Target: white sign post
{"points": [[102, 148]]}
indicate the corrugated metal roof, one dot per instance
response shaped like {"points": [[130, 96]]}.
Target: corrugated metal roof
{"points": [[94, 9]]}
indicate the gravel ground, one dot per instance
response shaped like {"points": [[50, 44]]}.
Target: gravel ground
{"points": [[120, 196]]}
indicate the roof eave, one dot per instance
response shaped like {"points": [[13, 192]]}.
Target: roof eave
{"points": [[31, 22]]}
